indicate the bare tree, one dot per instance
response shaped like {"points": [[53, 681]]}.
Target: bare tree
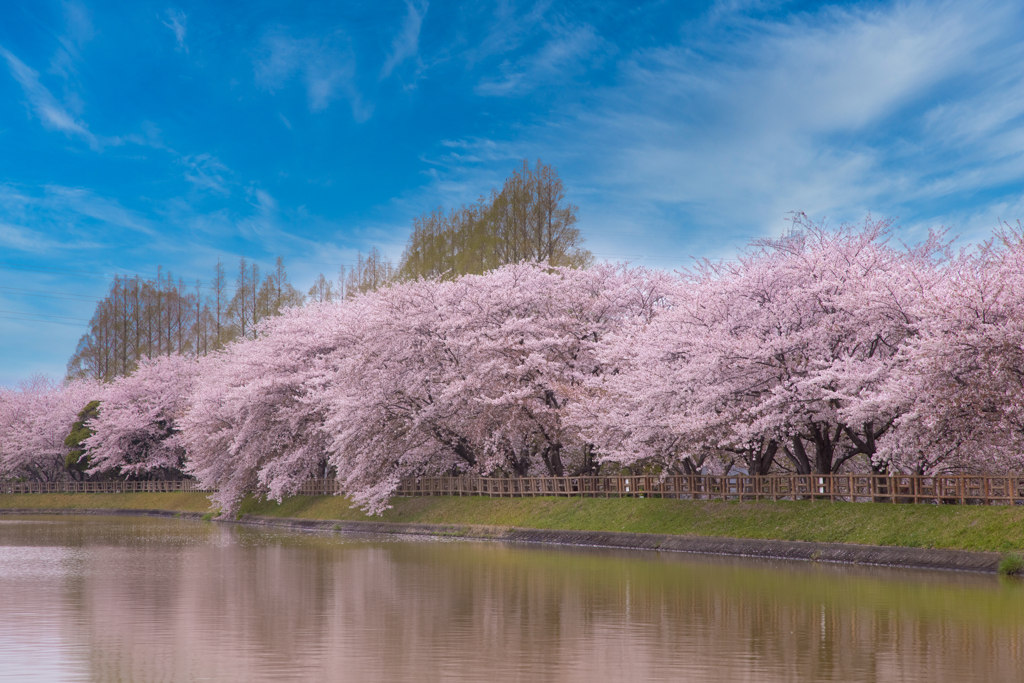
{"points": [[369, 274], [322, 290], [219, 304]]}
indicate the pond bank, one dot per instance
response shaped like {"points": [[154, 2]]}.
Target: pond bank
{"points": [[916, 558], [925, 536]]}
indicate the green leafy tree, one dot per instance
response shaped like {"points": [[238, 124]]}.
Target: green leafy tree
{"points": [[527, 220], [77, 459]]}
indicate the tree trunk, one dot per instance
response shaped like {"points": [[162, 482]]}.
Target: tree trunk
{"points": [[552, 455], [589, 467], [824, 449], [798, 456], [760, 458]]}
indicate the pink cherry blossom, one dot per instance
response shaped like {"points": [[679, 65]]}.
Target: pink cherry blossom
{"points": [[826, 350], [34, 421], [137, 432], [961, 388], [779, 352]]}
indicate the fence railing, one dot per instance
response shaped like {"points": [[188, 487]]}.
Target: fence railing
{"points": [[319, 487], [946, 489], [103, 486], [959, 489]]}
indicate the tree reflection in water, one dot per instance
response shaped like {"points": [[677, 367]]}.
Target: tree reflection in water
{"points": [[119, 599]]}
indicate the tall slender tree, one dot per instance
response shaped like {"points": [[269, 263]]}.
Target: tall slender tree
{"points": [[528, 219]]}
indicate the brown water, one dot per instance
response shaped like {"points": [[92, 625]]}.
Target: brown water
{"points": [[138, 599]]}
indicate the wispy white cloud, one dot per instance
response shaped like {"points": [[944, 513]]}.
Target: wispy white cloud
{"points": [[58, 221], [325, 64], [310, 243], [473, 150], [64, 114], [797, 117], [536, 44], [24, 239], [78, 24], [564, 54], [262, 201], [50, 112], [177, 234], [901, 110], [78, 30], [85, 203], [407, 41], [726, 10], [508, 30], [177, 21], [150, 135], [206, 172], [262, 225]]}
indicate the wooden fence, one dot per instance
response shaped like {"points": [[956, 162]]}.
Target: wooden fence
{"points": [[102, 486], [947, 489]]}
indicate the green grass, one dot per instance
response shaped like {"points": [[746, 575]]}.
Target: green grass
{"points": [[179, 502], [991, 528], [1011, 564]]}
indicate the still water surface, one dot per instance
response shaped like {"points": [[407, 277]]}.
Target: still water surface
{"points": [[111, 599]]}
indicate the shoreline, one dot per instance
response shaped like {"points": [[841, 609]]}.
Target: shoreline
{"points": [[809, 551]]}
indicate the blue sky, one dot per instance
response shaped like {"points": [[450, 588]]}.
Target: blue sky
{"points": [[141, 134]]}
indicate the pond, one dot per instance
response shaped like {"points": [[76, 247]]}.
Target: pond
{"points": [[146, 599]]}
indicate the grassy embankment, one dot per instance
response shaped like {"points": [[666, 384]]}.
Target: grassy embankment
{"points": [[178, 502], [992, 528]]}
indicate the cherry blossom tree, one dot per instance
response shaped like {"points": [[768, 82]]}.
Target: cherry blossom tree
{"points": [[474, 375], [34, 421], [251, 425], [962, 383], [822, 350], [779, 352], [421, 378], [136, 433]]}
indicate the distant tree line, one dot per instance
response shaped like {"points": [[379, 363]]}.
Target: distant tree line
{"points": [[163, 316], [368, 274]]}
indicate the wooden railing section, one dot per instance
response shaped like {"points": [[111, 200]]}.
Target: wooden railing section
{"points": [[946, 489], [103, 486], [959, 489]]}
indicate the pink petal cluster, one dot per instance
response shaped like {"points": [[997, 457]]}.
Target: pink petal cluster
{"points": [[779, 355], [960, 391], [137, 432], [34, 421], [253, 422]]}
